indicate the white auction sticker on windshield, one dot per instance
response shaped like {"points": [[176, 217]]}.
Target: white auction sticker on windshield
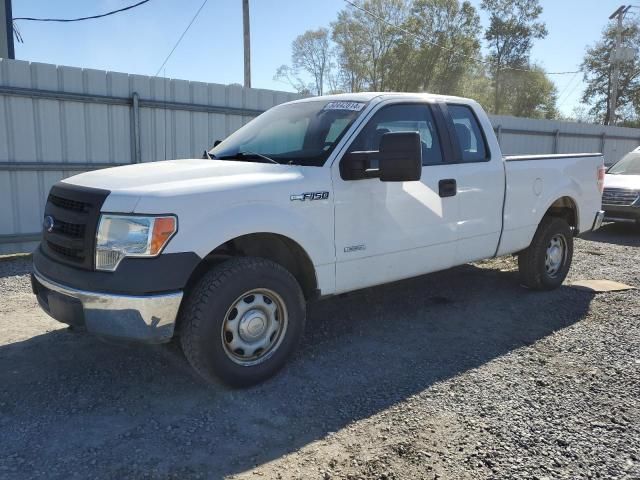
{"points": [[351, 106]]}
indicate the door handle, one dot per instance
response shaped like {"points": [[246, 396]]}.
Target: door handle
{"points": [[447, 187]]}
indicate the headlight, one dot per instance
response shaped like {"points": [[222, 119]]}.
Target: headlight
{"points": [[121, 236]]}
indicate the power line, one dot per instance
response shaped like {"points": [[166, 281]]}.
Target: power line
{"points": [[113, 12], [569, 94], [181, 37], [430, 42], [566, 87]]}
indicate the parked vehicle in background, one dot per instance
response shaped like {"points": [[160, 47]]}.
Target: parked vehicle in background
{"points": [[313, 198], [621, 196]]}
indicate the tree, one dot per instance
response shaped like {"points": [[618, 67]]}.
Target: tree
{"points": [[365, 42], [349, 38], [597, 68], [529, 94], [310, 54], [430, 46], [513, 26], [286, 74], [476, 84], [442, 50]]}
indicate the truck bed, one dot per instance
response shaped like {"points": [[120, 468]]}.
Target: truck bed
{"points": [[534, 182]]}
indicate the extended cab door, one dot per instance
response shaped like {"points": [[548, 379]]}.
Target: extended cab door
{"points": [[480, 180], [386, 231]]}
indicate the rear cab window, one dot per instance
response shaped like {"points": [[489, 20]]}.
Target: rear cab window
{"points": [[468, 134]]}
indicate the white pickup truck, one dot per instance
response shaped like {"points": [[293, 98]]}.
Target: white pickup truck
{"points": [[312, 198]]}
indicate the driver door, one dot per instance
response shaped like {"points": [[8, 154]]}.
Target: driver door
{"points": [[386, 231]]}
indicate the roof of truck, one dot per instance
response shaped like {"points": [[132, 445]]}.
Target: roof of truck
{"points": [[368, 96]]}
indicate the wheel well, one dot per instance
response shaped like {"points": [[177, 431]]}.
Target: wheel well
{"points": [[274, 247], [566, 208]]}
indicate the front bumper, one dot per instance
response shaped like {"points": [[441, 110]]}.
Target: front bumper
{"points": [[622, 213], [144, 318]]}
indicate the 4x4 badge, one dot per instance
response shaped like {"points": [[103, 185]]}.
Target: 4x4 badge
{"points": [[310, 196]]}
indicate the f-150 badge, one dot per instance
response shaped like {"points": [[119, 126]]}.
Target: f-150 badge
{"points": [[310, 196]]}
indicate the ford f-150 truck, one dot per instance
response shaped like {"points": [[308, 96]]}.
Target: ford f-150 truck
{"points": [[312, 198]]}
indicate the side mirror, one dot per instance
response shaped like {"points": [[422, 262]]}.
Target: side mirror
{"points": [[398, 160], [400, 157], [216, 143]]}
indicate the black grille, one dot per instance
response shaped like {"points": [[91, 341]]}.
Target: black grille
{"points": [[68, 204], [72, 253], [75, 211], [71, 229]]}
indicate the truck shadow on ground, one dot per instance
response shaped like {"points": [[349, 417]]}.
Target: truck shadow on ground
{"points": [[616, 233], [70, 403]]}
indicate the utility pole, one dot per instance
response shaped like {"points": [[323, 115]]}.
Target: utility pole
{"points": [[616, 59], [247, 43], [6, 30]]}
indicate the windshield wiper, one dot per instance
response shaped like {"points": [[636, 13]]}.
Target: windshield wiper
{"points": [[248, 154], [269, 159]]}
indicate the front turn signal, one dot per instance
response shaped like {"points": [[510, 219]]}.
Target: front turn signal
{"points": [[163, 230]]}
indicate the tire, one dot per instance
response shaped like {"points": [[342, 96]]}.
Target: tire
{"points": [[241, 321], [543, 267]]}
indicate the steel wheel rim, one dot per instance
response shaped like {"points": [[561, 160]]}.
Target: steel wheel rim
{"points": [[254, 326], [556, 255]]}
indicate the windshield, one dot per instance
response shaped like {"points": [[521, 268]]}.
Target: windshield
{"points": [[629, 165], [302, 133]]}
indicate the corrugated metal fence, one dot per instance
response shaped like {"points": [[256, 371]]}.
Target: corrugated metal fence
{"points": [[532, 136], [59, 121]]}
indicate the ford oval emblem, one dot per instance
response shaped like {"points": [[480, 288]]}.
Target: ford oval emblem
{"points": [[49, 223]]}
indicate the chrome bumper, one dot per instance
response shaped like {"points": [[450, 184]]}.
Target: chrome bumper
{"points": [[149, 319], [597, 223]]}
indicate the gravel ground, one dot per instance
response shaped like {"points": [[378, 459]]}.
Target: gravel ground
{"points": [[459, 374]]}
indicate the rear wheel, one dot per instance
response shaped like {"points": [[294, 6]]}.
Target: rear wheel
{"points": [[242, 321], [545, 263]]}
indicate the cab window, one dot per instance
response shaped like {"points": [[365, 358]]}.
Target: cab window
{"points": [[468, 133], [402, 118]]}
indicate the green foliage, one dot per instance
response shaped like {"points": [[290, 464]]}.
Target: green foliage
{"points": [[365, 44], [440, 55], [513, 26], [597, 75], [429, 46], [529, 94]]}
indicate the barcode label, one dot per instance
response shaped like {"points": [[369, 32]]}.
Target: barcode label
{"points": [[351, 106]]}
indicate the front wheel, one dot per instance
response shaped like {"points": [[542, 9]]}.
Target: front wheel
{"points": [[242, 320], [545, 263]]}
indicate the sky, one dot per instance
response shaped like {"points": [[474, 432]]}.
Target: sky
{"points": [[139, 40]]}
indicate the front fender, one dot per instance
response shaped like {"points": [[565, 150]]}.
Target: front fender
{"points": [[203, 231]]}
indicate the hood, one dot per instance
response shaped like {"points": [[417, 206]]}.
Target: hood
{"points": [[176, 176], [168, 186], [622, 181]]}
